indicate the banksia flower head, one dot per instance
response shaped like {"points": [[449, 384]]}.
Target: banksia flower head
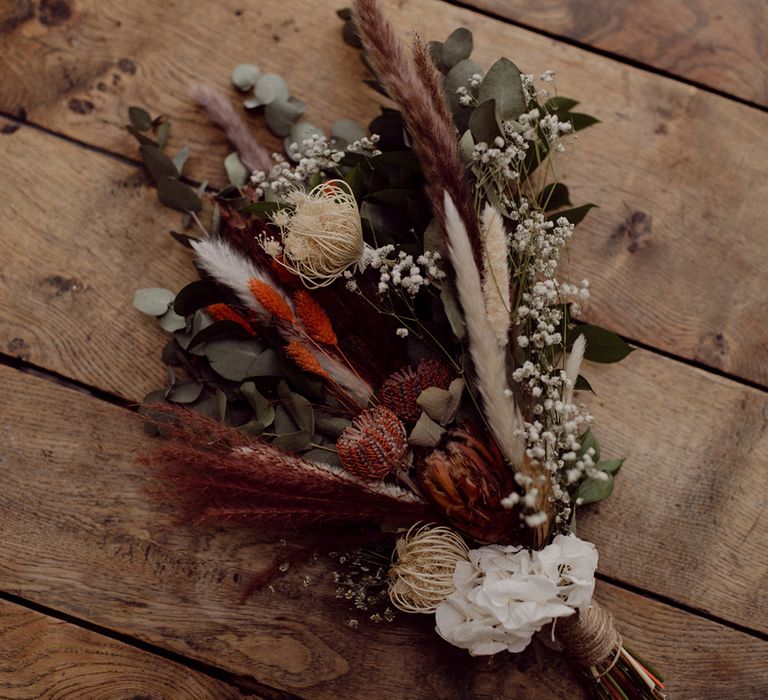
{"points": [[400, 390], [467, 481], [374, 445]]}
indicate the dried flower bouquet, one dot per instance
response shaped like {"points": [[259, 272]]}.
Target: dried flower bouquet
{"points": [[379, 334]]}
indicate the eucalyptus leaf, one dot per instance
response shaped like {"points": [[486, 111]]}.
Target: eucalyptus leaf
{"points": [[301, 131], [603, 345], [293, 442], [581, 121], [457, 47], [559, 104], [251, 103], [350, 35], [284, 423], [237, 360], [180, 158], [185, 392], [453, 311], [245, 75], [348, 131], [263, 409], [484, 123], [554, 196], [503, 83], [320, 456], [176, 195], [582, 384], [298, 407], [271, 87], [575, 215], [157, 163], [197, 295], [140, 136], [153, 301], [163, 132], [331, 426], [237, 173], [467, 147], [593, 489], [170, 321], [588, 440], [610, 465], [216, 331], [426, 432], [441, 405], [280, 115], [140, 118]]}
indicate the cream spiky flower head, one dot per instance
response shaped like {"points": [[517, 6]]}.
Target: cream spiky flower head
{"points": [[324, 236], [422, 577]]}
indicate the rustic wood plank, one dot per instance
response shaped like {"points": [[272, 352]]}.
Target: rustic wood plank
{"points": [[718, 45], [42, 658], [73, 257], [677, 487], [79, 534], [675, 252]]}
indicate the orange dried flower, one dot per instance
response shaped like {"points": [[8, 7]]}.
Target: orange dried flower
{"points": [[374, 445], [400, 390], [314, 318], [222, 312], [304, 359], [271, 300]]}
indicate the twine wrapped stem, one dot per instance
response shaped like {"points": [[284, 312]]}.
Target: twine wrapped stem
{"points": [[590, 639]]}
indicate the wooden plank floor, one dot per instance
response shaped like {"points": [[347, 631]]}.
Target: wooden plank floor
{"points": [[102, 595]]}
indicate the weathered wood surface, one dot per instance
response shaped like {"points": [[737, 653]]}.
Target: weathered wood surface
{"points": [[42, 658], [80, 535], [718, 44], [676, 252], [70, 312]]}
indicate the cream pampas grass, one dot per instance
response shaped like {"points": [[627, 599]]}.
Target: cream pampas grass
{"points": [[228, 266], [496, 274], [422, 577], [488, 355], [573, 364], [323, 236]]}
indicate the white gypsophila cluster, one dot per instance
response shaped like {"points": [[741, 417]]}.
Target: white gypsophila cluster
{"points": [[504, 595], [401, 273], [316, 155]]}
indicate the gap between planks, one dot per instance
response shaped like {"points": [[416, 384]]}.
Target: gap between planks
{"points": [[605, 53], [113, 399]]}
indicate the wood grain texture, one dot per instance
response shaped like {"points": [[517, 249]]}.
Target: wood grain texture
{"points": [[42, 658], [676, 253], [679, 483], [719, 44], [81, 233], [79, 534]]}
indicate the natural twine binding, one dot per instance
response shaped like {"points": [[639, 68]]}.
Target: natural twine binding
{"points": [[590, 639]]}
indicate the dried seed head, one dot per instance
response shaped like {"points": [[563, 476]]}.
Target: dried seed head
{"points": [[422, 577], [323, 236], [374, 445]]}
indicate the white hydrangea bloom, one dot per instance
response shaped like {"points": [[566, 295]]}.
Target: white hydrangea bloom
{"points": [[504, 595]]}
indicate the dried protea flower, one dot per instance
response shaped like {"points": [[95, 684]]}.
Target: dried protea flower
{"points": [[400, 390], [374, 445], [466, 480], [422, 576]]}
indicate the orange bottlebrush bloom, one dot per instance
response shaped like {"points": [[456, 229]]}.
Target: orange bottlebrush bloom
{"points": [[305, 360], [222, 312], [314, 318], [271, 300]]}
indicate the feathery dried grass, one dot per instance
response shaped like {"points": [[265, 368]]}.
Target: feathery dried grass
{"points": [[220, 110], [488, 356], [496, 274], [413, 84]]}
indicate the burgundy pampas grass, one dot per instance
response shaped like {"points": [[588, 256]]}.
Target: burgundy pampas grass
{"points": [[413, 84], [220, 109], [214, 472]]}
